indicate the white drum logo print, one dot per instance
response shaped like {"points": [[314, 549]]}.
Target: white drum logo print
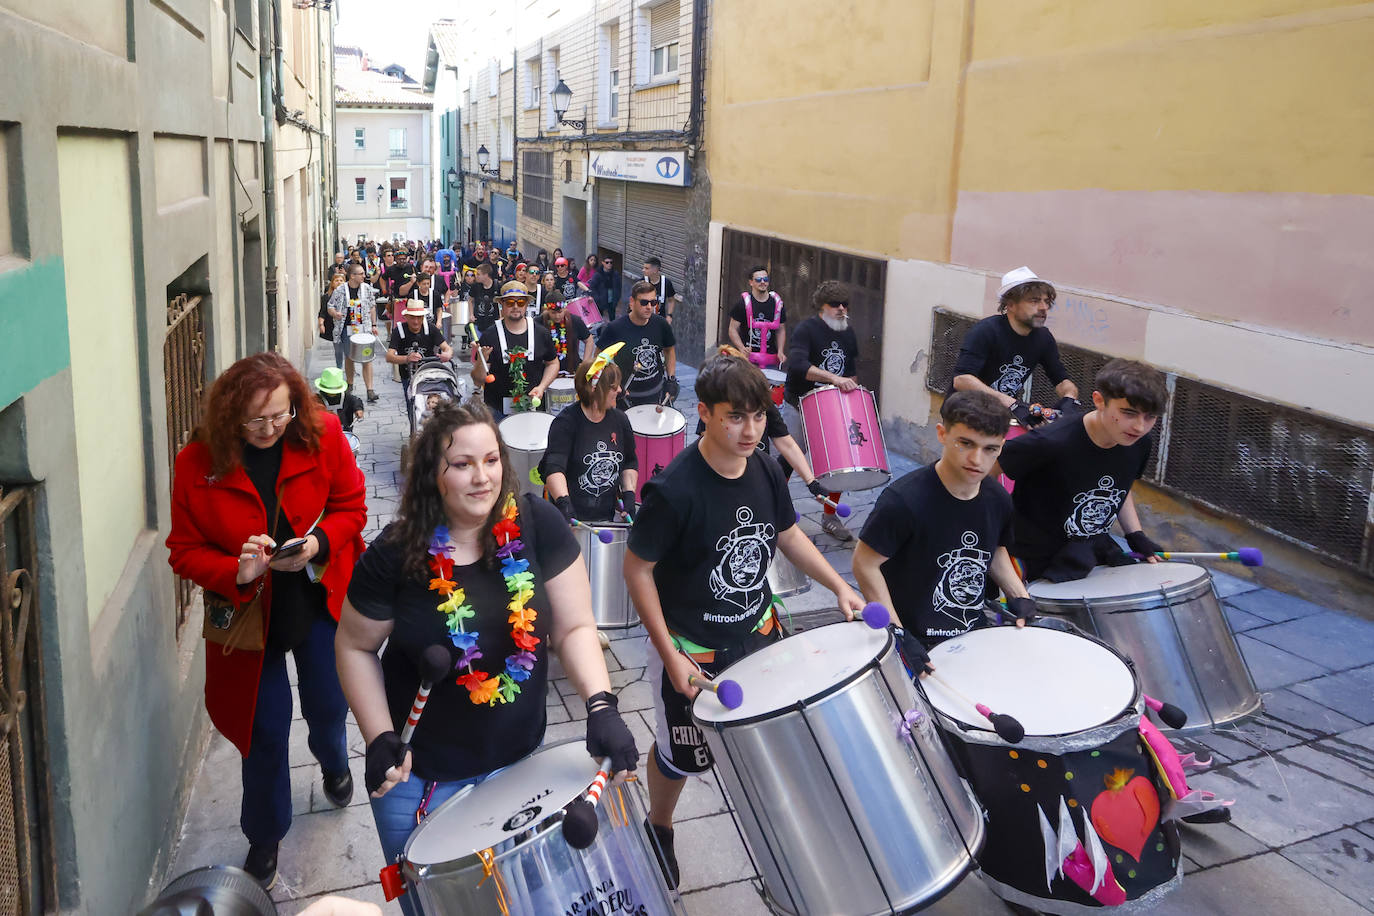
{"points": [[1094, 510], [603, 466], [646, 361], [1013, 376], [959, 593], [832, 359], [741, 573]]}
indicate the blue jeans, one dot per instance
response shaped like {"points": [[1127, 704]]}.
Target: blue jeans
{"points": [[266, 812], [395, 812], [340, 348]]}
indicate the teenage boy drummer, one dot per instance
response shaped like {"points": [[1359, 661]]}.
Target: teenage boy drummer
{"points": [[697, 568], [936, 534]]}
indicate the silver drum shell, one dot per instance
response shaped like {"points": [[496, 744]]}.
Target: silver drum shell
{"points": [[606, 569]]}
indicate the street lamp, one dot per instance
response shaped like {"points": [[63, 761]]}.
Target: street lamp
{"points": [[483, 157], [452, 177], [380, 192], [562, 98]]}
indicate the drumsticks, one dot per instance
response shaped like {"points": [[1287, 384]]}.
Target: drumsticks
{"points": [[477, 347], [841, 509], [1007, 728], [579, 821], [1169, 714], [729, 692], [434, 664], [1248, 556], [604, 535]]}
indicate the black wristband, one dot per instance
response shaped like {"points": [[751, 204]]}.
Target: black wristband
{"points": [[601, 701]]}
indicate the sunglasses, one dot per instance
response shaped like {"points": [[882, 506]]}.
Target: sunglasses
{"points": [[838, 305], [647, 301], [763, 279]]}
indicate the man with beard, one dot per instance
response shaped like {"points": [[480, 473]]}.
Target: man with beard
{"points": [[1000, 352], [936, 535], [401, 275], [649, 358], [824, 350], [697, 570], [760, 316], [518, 353], [568, 332]]}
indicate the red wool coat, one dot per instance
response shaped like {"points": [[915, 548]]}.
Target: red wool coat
{"points": [[211, 520]]}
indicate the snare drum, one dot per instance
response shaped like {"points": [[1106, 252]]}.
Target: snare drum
{"points": [[660, 434], [843, 790], [606, 569], [1167, 619], [844, 439], [527, 437], [362, 348], [353, 445], [777, 381], [559, 394], [1077, 789], [498, 847]]}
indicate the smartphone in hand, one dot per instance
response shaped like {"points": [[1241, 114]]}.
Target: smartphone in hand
{"points": [[289, 549]]}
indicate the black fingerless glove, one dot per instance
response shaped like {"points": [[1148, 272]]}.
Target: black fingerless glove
{"points": [[608, 735], [1140, 542], [564, 504], [672, 387], [1068, 405], [385, 751], [1022, 413], [1023, 609], [816, 489], [628, 504], [916, 657]]}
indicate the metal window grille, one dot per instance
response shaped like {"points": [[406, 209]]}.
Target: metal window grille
{"points": [[28, 876], [183, 368], [536, 172]]}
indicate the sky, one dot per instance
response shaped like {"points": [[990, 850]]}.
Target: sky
{"points": [[391, 31]]}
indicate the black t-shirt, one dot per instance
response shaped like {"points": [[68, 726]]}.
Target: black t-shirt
{"points": [[573, 331], [396, 275], [427, 343], [328, 318], [1003, 359], [592, 456], [665, 290], [567, 286], [1066, 486], [641, 362], [939, 550], [498, 366], [763, 311], [814, 343], [485, 307], [457, 739], [345, 406], [713, 540]]}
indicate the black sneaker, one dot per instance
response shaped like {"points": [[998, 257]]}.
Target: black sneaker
{"points": [[339, 789], [661, 839], [372, 396], [1210, 816], [262, 864]]}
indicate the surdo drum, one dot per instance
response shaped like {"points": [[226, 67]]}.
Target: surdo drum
{"points": [[498, 847], [844, 439], [606, 569], [844, 793], [527, 438], [660, 433], [1167, 619], [1074, 812], [362, 348]]}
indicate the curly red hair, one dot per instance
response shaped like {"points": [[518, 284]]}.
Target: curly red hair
{"points": [[221, 428]]}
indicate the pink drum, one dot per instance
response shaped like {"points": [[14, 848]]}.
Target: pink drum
{"points": [[844, 439], [1016, 429], [584, 307], [660, 433]]}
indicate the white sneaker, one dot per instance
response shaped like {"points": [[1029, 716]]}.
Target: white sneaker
{"points": [[602, 638], [832, 526]]}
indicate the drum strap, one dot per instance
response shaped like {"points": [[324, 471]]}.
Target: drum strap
{"points": [[489, 870]]}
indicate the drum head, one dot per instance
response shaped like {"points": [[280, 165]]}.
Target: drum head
{"points": [[1053, 683], [509, 803], [775, 376], [648, 420], [527, 431], [562, 384], [799, 668], [364, 339], [1120, 581]]}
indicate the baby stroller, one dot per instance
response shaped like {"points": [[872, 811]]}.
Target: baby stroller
{"points": [[432, 382]]}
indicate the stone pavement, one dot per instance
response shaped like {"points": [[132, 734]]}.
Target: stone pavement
{"points": [[1301, 841]]}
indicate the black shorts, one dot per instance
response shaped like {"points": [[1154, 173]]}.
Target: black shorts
{"points": [[679, 746]]}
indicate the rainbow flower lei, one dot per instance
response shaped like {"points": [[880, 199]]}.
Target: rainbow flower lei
{"points": [[482, 687], [560, 340]]}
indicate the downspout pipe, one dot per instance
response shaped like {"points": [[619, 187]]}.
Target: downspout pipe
{"points": [[266, 18]]}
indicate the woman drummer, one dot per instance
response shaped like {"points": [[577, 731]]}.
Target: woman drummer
{"points": [[590, 460], [495, 579]]}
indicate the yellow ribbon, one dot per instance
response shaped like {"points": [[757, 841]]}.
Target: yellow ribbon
{"points": [[603, 359]]}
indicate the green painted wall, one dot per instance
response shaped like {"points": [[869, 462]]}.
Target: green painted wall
{"points": [[33, 327]]}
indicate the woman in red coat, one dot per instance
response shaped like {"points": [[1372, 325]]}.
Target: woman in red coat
{"points": [[266, 467]]}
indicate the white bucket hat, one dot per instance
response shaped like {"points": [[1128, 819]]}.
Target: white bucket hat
{"points": [[1014, 278]]}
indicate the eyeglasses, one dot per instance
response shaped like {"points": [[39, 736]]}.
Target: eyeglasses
{"points": [[763, 279], [260, 424]]}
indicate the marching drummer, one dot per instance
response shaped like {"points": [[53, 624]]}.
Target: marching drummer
{"points": [[1073, 478], [518, 353], [568, 332], [439, 576], [1000, 352], [823, 351], [936, 534], [648, 361], [760, 313], [414, 339], [590, 461], [697, 570]]}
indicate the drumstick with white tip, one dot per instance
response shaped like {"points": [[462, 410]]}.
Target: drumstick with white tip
{"points": [[1007, 728], [579, 821], [1248, 556]]}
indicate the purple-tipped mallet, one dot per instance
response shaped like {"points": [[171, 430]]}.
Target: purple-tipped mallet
{"points": [[875, 615], [729, 692]]}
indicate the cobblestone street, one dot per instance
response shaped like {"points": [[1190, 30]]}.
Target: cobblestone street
{"points": [[1302, 838]]}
